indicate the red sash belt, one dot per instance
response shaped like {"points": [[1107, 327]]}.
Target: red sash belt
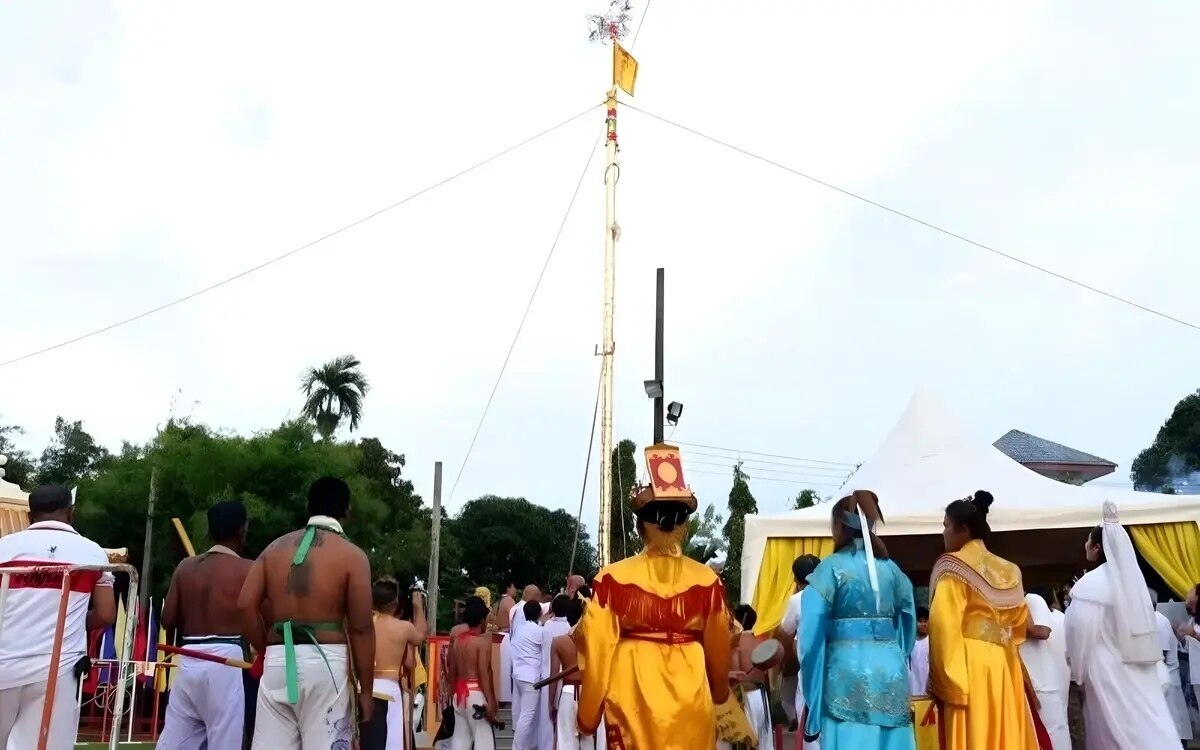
{"points": [[463, 688], [669, 639]]}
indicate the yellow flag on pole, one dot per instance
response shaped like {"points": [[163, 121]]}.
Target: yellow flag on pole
{"points": [[624, 69]]}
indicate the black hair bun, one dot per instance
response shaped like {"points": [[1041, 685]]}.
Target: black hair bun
{"points": [[983, 501]]}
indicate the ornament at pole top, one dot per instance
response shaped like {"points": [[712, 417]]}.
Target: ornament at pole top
{"points": [[3, 461], [614, 24]]}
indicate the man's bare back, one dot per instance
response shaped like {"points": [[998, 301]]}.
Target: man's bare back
{"points": [[203, 598], [507, 602], [393, 636], [331, 585]]}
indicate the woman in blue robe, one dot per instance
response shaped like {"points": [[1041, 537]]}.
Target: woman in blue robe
{"points": [[856, 632]]}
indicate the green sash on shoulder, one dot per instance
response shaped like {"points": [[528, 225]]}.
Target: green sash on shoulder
{"points": [[289, 628]]}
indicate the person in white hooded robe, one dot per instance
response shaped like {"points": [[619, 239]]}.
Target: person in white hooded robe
{"points": [[1113, 648], [1046, 662], [1173, 687]]}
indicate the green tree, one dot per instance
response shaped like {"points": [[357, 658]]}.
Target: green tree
{"points": [[511, 539], [741, 504], [270, 472], [703, 541], [622, 525], [333, 393], [806, 499], [20, 468], [73, 455], [1175, 453]]}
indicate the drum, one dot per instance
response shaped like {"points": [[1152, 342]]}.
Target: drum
{"points": [[767, 655]]}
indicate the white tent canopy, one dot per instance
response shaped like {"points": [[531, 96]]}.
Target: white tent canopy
{"points": [[929, 460]]}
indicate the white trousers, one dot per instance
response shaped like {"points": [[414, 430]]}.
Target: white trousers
{"points": [[206, 705], [525, 714], [471, 733], [396, 732], [760, 718], [1053, 713], [506, 681], [21, 714], [569, 737], [321, 717]]}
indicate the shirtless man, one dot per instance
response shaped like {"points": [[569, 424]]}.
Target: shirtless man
{"points": [[396, 641], [564, 700], [208, 700], [319, 586], [502, 619], [470, 660]]}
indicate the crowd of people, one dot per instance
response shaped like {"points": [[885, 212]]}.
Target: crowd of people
{"points": [[649, 656], [993, 663]]}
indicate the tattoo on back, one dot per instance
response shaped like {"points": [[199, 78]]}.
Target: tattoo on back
{"points": [[299, 577]]}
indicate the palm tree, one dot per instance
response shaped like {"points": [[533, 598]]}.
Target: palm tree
{"points": [[337, 383]]}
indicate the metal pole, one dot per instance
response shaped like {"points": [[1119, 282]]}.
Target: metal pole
{"points": [[659, 304], [611, 233], [131, 617], [435, 543], [55, 657], [144, 598]]}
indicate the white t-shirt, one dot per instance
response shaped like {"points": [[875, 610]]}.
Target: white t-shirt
{"points": [[918, 668], [791, 616], [31, 610], [525, 645]]}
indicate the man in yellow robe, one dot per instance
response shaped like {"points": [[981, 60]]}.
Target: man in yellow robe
{"points": [[654, 643]]}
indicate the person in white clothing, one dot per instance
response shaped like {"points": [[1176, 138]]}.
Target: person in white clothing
{"points": [[802, 566], [27, 623], [1113, 648], [207, 702], [503, 620], [526, 649], [1046, 662], [557, 625], [1173, 688], [918, 660]]}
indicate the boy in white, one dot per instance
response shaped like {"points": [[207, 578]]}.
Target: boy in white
{"points": [[526, 649], [802, 567], [1045, 660], [918, 660], [30, 614]]}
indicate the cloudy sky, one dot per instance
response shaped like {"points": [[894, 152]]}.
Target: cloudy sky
{"points": [[150, 150]]}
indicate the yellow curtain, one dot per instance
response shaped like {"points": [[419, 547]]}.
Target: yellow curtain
{"points": [[1173, 550], [775, 582]]}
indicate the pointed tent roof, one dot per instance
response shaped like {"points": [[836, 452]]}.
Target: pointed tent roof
{"points": [[929, 459]]}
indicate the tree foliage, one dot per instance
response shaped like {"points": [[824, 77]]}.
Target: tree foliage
{"points": [[20, 466], [509, 539], [73, 455], [741, 504], [333, 393], [622, 525], [806, 499], [269, 472], [1174, 456], [704, 541]]}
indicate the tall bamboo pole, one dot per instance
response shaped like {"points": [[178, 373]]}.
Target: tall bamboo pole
{"points": [[611, 235]]}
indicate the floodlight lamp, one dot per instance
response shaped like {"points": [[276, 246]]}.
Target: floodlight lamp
{"points": [[654, 388], [674, 412]]}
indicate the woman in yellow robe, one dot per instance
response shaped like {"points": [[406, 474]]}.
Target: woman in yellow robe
{"points": [[654, 643], [977, 619]]}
